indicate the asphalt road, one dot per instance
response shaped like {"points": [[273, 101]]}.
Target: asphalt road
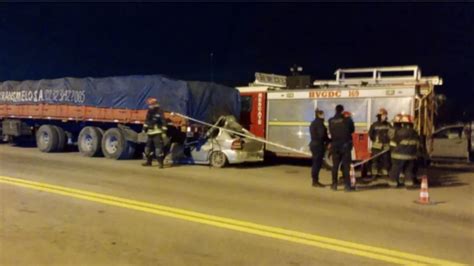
{"points": [[47, 223]]}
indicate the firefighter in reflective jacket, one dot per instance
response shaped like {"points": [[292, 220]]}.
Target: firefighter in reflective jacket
{"points": [[405, 144], [155, 128], [341, 128], [379, 135], [319, 140]]}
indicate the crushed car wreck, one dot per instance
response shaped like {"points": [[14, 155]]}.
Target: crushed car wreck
{"points": [[218, 146]]}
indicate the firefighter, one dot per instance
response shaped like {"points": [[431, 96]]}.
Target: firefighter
{"points": [[319, 140], [341, 128], [155, 128], [396, 125], [379, 135], [405, 144]]}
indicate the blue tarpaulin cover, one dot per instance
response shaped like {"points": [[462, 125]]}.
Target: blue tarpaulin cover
{"points": [[201, 100]]}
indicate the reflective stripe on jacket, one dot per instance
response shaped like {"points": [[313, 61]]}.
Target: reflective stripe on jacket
{"points": [[400, 156], [379, 135], [405, 144], [155, 130], [155, 121]]}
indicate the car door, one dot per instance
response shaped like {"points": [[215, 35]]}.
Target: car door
{"points": [[450, 142], [200, 151]]}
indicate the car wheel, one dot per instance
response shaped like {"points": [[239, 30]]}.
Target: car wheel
{"points": [[115, 146], [47, 138], [218, 159], [89, 142]]}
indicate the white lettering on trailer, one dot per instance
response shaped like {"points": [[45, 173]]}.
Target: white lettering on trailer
{"points": [[40, 95], [342, 93]]}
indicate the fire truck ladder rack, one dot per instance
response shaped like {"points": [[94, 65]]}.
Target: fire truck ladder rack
{"points": [[379, 76]]}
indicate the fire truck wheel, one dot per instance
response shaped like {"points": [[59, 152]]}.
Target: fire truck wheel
{"points": [[115, 146], [47, 138], [328, 159], [89, 142], [62, 138], [218, 159]]}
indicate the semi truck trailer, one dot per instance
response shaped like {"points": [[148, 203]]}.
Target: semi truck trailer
{"points": [[104, 116]]}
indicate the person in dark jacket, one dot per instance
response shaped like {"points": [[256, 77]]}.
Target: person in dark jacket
{"points": [[341, 128], [405, 144], [155, 128], [379, 135], [319, 140]]}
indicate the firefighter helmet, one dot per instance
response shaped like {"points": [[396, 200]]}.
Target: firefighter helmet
{"points": [[406, 119], [151, 101], [382, 111]]}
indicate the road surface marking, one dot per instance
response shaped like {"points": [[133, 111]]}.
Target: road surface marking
{"points": [[361, 250]]}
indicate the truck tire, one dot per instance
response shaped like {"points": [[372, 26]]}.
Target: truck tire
{"points": [[62, 138], [89, 142], [115, 146], [47, 138], [218, 159]]}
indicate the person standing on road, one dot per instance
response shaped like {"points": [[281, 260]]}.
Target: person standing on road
{"points": [[378, 134], [395, 126], [405, 144], [341, 128], [319, 140], [155, 128]]}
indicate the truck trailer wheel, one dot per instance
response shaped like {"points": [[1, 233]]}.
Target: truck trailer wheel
{"points": [[89, 142], [62, 138], [218, 159], [47, 138], [115, 146]]}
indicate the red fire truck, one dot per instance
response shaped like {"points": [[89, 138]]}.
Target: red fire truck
{"points": [[272, 110]]}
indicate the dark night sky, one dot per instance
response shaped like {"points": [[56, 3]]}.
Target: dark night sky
{"points": [[56, 40]]}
